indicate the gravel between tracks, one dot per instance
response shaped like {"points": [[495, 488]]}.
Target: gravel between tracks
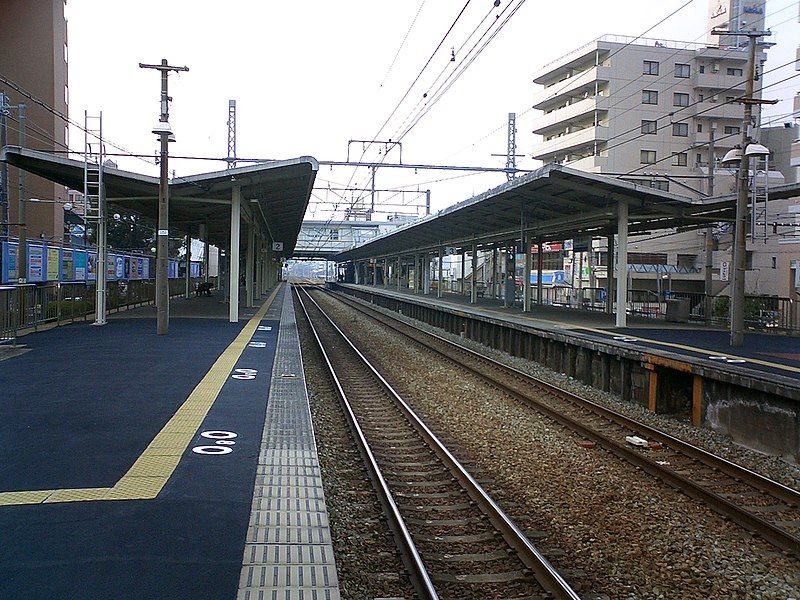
{"points": [[717, 443], [632, 536], [366, 557]]}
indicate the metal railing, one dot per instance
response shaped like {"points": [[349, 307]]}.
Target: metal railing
{"points": [[26, 308]]}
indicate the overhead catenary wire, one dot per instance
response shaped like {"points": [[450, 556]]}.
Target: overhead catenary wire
{"points": [[402, 44]]}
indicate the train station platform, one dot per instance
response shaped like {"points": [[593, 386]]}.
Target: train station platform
{"points": [[177, 466], [750, 392], [761, 352]]}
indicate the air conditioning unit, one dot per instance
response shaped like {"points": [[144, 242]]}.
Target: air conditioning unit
{"points": [[715, 98], [715, 68]]}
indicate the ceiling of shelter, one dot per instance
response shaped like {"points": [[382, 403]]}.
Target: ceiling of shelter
{"points": [[552, 203], [275, 194]]}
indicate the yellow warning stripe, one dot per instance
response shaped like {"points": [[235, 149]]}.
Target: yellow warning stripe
{"points": [[151, 471]]}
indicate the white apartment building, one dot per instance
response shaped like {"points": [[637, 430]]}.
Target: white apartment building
{"points": [[645, 111]]}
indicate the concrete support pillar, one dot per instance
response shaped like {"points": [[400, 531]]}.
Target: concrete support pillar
{"points": [[259, 260], [249, 265], [622, 265], [495, 289], [526, 276], [386, 273], [440, 283], [233, 255], [473, 291], [463, 270], [188, 274], [204, 237], [539, 264], [610, 275]]}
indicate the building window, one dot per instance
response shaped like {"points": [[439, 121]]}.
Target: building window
{"points": [[732, 129], [682, 71], [699, 128], [702, 68], [649, 127], [648, 157], [700, 97], [680, 129], [774, 262], [699, 158], [680, 99], [680, 159], [334, 234], [659, 185], [735, 72], [730, 99], [650, 67], [649, 97]]}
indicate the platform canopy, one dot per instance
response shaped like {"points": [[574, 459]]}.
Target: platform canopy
{"points": [[275, 193], [552, 203]]}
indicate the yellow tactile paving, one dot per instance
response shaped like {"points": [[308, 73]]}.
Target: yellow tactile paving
{"points": [[77, 495], [151, 471], [32, 497]]}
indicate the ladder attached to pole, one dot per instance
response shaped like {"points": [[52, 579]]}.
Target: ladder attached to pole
{"points": [[94, 204], [759, 194]]}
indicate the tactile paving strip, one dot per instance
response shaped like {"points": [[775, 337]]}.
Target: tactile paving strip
{"points": [[288, 551]]}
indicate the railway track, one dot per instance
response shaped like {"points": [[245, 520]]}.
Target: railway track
{"points": [[455, 541], [760, 505]]}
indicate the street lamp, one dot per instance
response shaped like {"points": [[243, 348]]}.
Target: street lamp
{"points": [[731, 158]]}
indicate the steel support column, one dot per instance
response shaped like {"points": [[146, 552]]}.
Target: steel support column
{"points": [[526, 281], [539, 265], [473, 291], [622, 265], [249, 263], [440, 284], [233, 254]]}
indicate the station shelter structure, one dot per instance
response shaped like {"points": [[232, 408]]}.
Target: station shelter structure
{"points": [[522, 216], [252, 213]]}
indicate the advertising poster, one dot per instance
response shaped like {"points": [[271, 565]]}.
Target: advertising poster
{"points": [[144, 268], [9, 262], [195, 270], [111, 268], [35, 263], [172, 273], [91, 266], [126, 268], [67, 265], [120, 266], [80, 265], [53, 264]]}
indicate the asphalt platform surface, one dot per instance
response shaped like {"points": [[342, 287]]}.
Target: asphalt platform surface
{"points": [[77, 410]]}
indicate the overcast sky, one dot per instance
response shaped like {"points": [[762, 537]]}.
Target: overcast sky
{"points": [[309, 76]]}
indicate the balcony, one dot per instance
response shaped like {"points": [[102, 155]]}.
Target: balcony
{"points": [[718, 81], [585, 80], [571, 112], [716, 110], [570, 141]]}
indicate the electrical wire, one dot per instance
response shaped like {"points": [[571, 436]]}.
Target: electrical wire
{"points": [[403, 43]]}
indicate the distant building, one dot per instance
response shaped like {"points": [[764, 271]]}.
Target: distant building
{"points": [[33, 55], [644, 110]]}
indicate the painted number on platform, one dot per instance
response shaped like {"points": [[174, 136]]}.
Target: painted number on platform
{"points": [[223, 440], [244, 373], [257, 344], [264, 328]]}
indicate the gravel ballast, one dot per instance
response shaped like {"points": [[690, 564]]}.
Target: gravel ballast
{"points": [[630, 535]]}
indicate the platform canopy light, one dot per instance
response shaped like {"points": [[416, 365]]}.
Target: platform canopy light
{"points": [[734, 156], [164, 127]]}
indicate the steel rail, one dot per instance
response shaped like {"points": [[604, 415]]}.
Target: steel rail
{"points": [[543, 571], [777, 536], [417, 571]]}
